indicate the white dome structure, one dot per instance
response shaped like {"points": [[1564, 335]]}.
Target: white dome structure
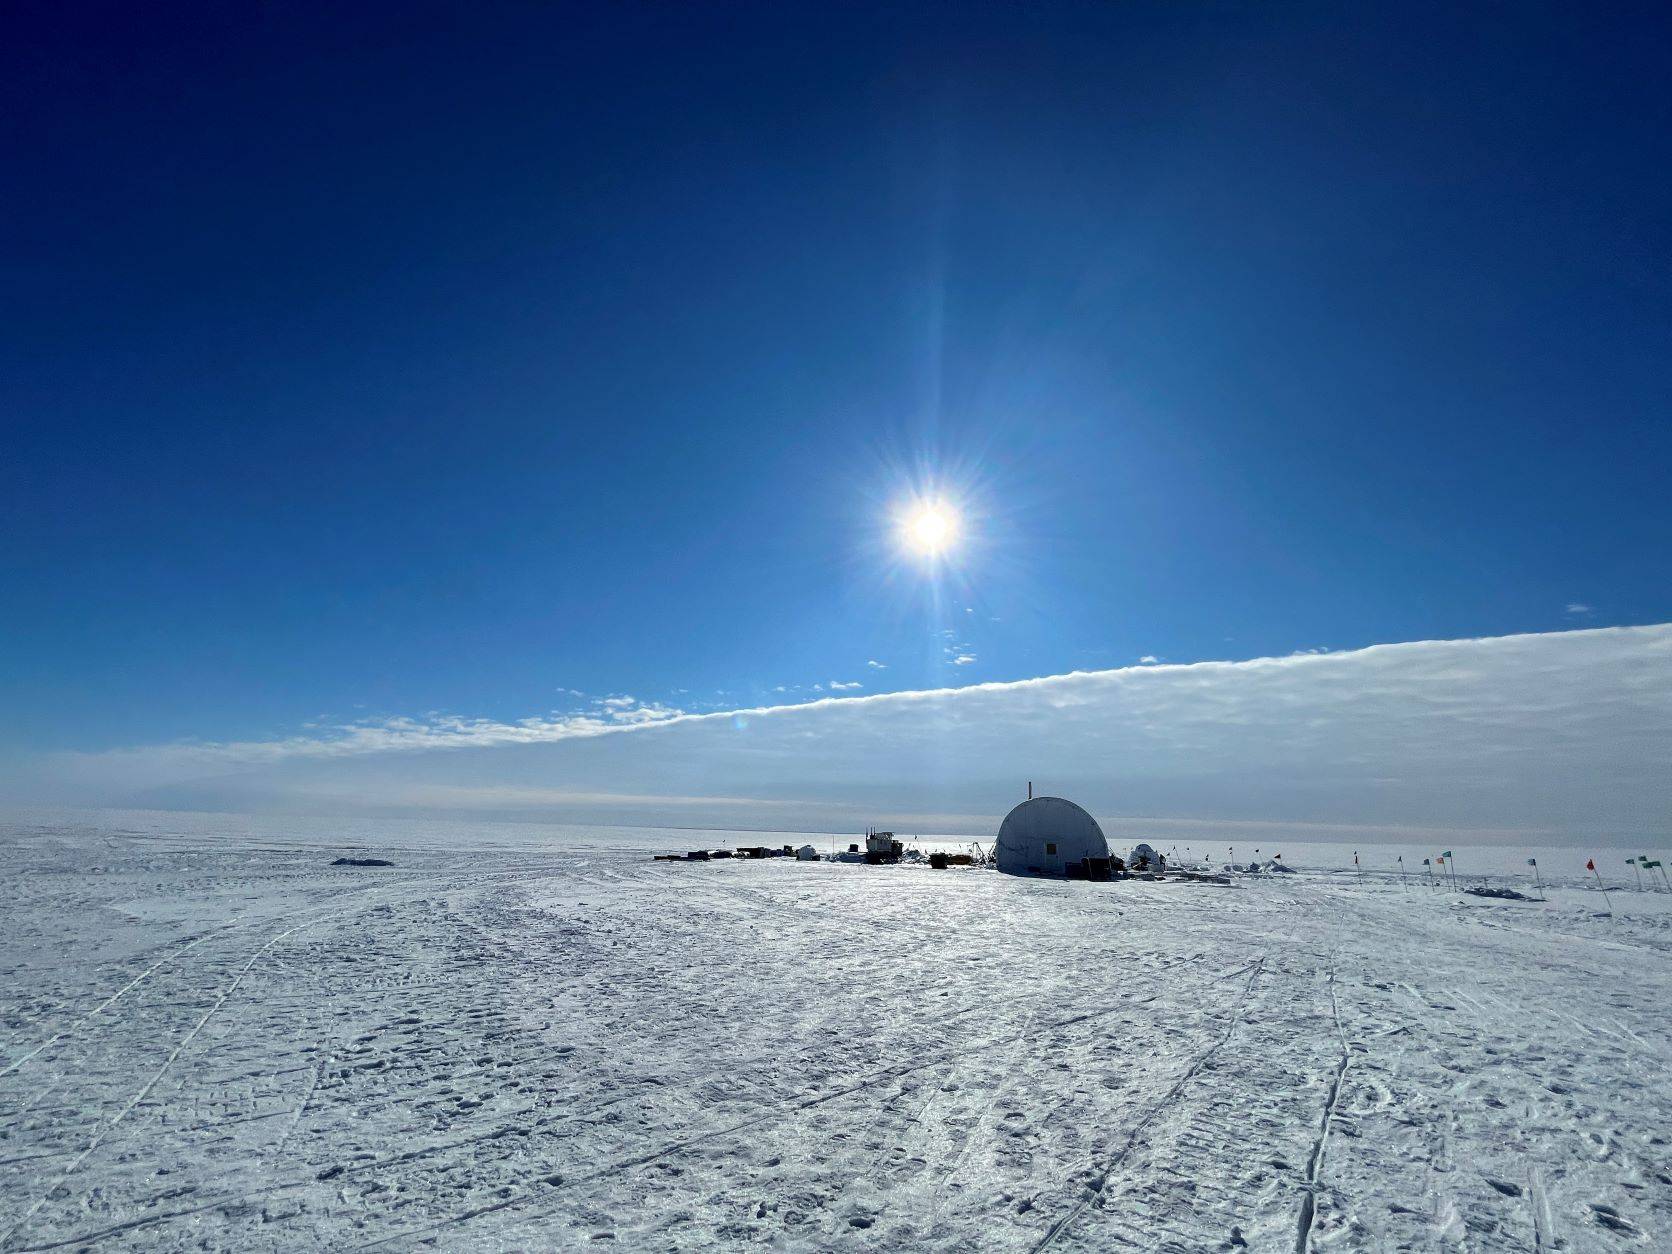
{"points": [[1050, 836]]}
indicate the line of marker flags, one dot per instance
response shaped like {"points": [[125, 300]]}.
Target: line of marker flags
{"points": [[1447, 862], [1643, 862]]}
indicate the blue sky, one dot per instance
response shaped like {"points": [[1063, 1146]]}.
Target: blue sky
{"points": [[497, 361]]}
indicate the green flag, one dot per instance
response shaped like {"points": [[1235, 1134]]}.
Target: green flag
{"points": [[1446, 854]]}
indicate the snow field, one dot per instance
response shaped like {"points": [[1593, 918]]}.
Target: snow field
{"points": [[213, 1043]]}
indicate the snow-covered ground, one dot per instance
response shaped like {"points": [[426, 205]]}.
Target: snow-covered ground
{"points": [[211, 1038]]}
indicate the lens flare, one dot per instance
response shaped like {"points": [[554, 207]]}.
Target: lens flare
{"points": [[929, 528]]}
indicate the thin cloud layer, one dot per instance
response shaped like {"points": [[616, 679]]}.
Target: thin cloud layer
{"points": [[1562, 734]]}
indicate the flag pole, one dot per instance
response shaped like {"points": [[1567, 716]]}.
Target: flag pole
{"points": [[1591, 866], [1537, 878], [1632, 863], [1402, 883]]}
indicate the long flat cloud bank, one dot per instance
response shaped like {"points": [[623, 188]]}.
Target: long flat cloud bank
{"points": [[1561, 735]]}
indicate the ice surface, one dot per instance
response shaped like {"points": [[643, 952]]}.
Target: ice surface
{"points": [[212, 1038]]}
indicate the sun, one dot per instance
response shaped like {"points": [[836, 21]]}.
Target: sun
{"points": [[929, 527]]}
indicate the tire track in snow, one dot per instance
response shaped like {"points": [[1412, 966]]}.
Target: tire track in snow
{"points": [[1539, 1204], [327, 1050], [1002, 1081], [1097, 1186], [108, 1002], [145, 975], [1315, 1160], [145, 1090], [331, 911], [1005, 1077], [518, 1125], [873, 1173], [558, 1181]]}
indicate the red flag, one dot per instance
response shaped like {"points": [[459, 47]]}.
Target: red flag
{"points": [[1590, 864]]}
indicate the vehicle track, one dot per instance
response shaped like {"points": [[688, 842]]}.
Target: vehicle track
{"points": [[1100, 1181], [108, 1002], [104, 1131], [325, 1046], [784, 1112], [69, 1032], [332, 911], [1315, 1160]]}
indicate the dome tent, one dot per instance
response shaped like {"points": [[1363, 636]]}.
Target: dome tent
{"points": [[1144, 858], [1050, 836]]}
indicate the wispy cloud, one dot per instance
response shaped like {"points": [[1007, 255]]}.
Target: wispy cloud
{"points": [[953, 650], [1149, 659], [834, 685], [876, 665], [1578, 609], [1560, 732]]}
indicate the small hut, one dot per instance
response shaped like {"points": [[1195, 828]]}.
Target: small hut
{"points": [[1051, 836]]}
